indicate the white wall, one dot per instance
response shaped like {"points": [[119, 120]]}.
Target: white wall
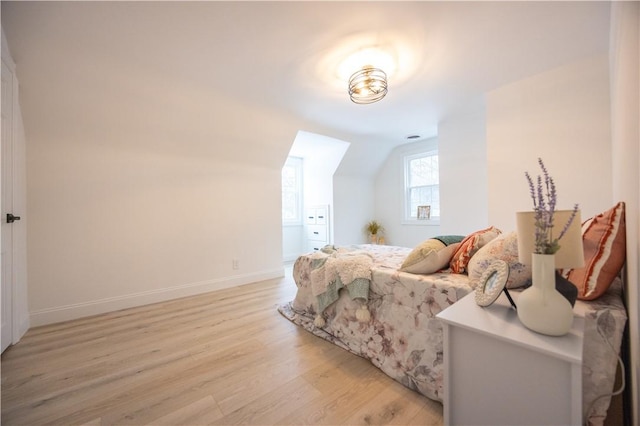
{"points": [[463, 173], [461, 145], [123, 212], [111, 227], [462, 154], [563, 117], [293, 241], [321, 157], [389, 198], [625, 111], [353, 207]]}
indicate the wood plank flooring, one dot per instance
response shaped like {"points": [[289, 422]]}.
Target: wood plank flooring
{"points": [[222, 358]]}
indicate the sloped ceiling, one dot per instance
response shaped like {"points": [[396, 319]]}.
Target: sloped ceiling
{"points": [[238, 79]]}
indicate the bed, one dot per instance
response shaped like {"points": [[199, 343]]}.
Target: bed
{"points": [[401, 335]]}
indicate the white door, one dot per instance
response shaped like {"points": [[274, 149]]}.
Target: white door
{"points": [[7, 207]]}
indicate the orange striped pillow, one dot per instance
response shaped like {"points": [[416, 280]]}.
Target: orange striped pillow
{"points": [[605, 247], [469, 246]]}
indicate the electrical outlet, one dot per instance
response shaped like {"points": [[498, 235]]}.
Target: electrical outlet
{"points": [[235, 264]]}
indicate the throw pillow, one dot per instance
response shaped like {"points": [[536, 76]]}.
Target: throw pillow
{"points": [[605, 251], [469, 246], [431, 255], [504, 247]]}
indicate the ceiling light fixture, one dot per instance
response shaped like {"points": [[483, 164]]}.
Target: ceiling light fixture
{"points": [[368, 85]]}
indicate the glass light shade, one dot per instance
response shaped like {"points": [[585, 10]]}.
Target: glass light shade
{"points": [[373, 56], [571, 253]]}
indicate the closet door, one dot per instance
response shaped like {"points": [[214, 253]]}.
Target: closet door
{"points": [[7, 205], [14, 312]]}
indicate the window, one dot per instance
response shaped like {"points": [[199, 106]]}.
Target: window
{"points": [[292, 191], [422, 184]]}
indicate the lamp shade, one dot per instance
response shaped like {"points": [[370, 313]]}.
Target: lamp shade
{"points": [[571, 252]]}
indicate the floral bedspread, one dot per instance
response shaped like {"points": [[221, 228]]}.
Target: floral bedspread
{"points": [[404, 339], [604, 322]]}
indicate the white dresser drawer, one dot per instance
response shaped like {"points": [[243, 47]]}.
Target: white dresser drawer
{"points": [[321, 216], [315, 246], [317, 216], [311, 217], [317, 232]]}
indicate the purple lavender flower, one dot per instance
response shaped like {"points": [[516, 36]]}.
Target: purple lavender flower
{"points": [[566, 226], [545, 199], [532, 190]]}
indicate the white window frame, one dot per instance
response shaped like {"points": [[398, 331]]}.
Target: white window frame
{"points": [[297, 164], [407, 219]]}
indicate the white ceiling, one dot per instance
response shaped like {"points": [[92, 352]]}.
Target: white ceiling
{"points": [[281, 56]]}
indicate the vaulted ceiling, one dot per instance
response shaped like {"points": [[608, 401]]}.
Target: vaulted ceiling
{"points": [[259, 71]]}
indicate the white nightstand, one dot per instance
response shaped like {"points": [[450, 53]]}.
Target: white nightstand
{"points": [[498, 372]]}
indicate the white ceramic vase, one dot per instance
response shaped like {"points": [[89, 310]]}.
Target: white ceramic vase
{"points": [[541, 307]]}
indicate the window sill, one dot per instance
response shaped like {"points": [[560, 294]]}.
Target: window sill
{"points": [[415, 222]]}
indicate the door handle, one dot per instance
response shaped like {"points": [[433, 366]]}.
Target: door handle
{"points": [[11, 218]]}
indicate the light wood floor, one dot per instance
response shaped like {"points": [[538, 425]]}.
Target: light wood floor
{"points": [[226, 357]]}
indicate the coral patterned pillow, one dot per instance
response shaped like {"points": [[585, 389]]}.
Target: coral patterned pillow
{"points": [[605, 251], [469, 246]]}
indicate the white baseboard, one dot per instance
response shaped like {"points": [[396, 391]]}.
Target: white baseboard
{"points": [[95, 307], [21, 328]]}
